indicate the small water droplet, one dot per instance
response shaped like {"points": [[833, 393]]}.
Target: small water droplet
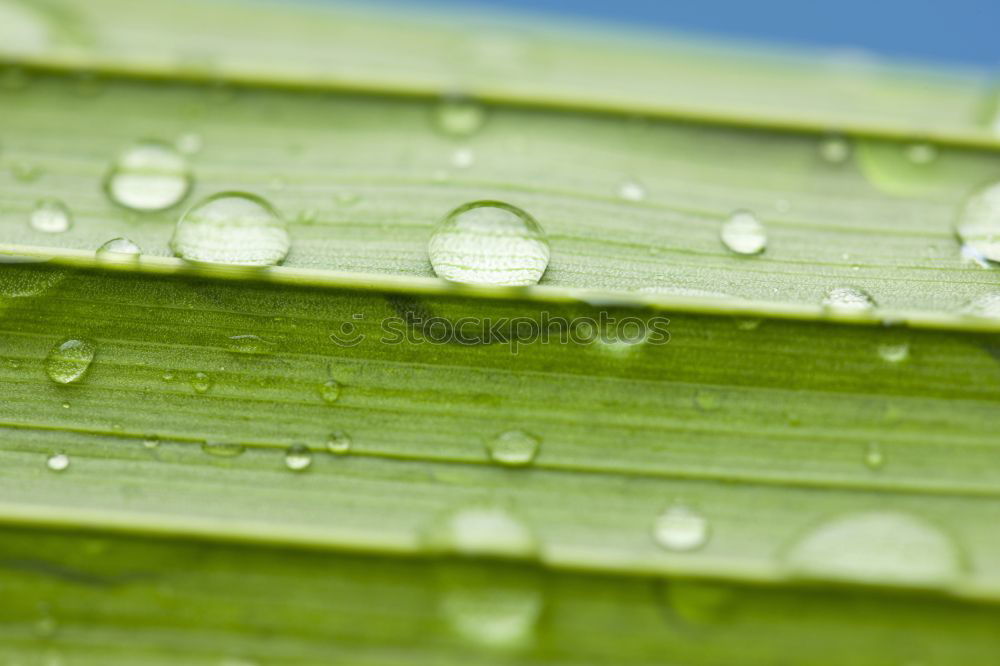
{"points": [[68, 361], [834, 149], [632, 190], [489, 243], [848, 300], [201, 382], [874, 458], [65, 405], [329, 391], [680, 528], [483, 531], [495, 607], [513, 448], [148, 176], [894, 352], [463, 158], [189, 143], [118, 247], [248, 344], [978, 224], [231, 228], [223, 449], [169, 376], [921, 153], [338, 442], [298, 457], [51, 216], [151, 442], [459, 117], [878, 547], [986, 306], [57, 462], [743, 233]]}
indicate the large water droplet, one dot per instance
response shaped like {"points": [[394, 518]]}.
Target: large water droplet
{"points": [[231, 228], [743, 233], [68, 361], [298, 458], [494, 607], [51, 216], [459, 117], [489, 243], [338, 442], [513, 448], [848, 300], [485, 530], [680, 528], [57, 462], [149, 176], [878, 547], [978, 224], [118, 248]]}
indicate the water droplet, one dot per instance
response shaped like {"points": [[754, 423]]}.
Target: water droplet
{"points": [[459, 117], [743, 233], [513, 448], [169, 376], [483, 531], [151, 442], [463, 158], [489, 243], [978, 224], [329, 391], [68, 361], [298, 458], [201, 382], [921, 153], [223, 449], [680, 528], [338, 442], [148, 176], [878, 547], [874, 458], [632, 190], [51, 216], [248, 344], [834, 149], [848, 300], [986, 306], [189, 143], [231, 228], [118, 247], [495, 607], [57, 462], [894, 352]]}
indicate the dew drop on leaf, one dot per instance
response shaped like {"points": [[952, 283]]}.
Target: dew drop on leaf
{"points": [[978, 223], [68, 361], [743, 233], [298, 458], [489, 243], [57, 462], [148, 176], [513, 448], [201, 382], [848, 300], [874, 458], [338, 442], [680, 528], [884, 547], [834, 149], [632, 190], [329, 391], [894, 352], [231, 228], [120, 247], [459, 117], [50, 216]]}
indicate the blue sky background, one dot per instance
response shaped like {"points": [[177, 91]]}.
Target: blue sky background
{"points": [[952, 32]]}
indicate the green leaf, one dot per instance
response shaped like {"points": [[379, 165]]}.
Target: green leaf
{"points": [[290, 465]]}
